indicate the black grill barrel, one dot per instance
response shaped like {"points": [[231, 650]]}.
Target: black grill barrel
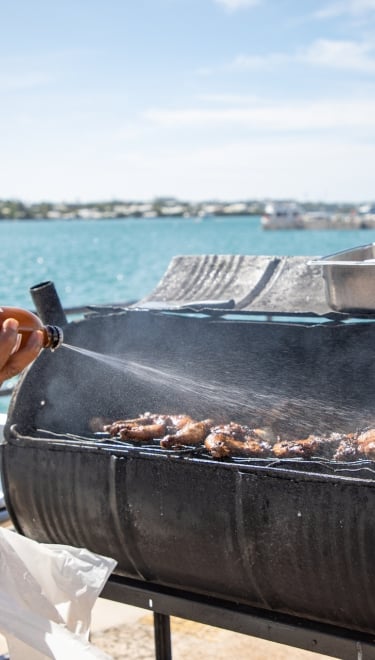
{"points": [[294, 538], [47, 303]]}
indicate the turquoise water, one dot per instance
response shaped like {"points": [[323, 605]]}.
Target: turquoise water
{"points": [[105, 261]]}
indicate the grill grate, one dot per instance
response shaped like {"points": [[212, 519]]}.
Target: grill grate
{"points": [[362, 468]]}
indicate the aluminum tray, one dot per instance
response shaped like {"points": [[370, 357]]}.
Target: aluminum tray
{"points": [[350, 279]]}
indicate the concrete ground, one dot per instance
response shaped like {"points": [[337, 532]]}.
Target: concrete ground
{"points": [[126, 633]]}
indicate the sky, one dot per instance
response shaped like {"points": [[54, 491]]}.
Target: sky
{"points": [[193, 99]]}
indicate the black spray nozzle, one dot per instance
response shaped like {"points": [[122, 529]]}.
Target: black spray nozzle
{"points": [[48, 305]]}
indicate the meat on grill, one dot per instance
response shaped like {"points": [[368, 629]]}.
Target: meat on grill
{"points": [[232, 439], [366, 444], [220, 445], [192, 433], [333, 445], [346, 448], [142, 432], [147, 426], [297, 448]]}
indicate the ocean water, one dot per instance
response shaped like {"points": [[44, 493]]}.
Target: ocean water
{"points": [[107, 261], [104, 261]]}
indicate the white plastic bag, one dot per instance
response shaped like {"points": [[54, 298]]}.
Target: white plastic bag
{"points": [[46, 596]]}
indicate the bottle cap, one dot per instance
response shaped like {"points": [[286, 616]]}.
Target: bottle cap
{"points": [[55, 336]]}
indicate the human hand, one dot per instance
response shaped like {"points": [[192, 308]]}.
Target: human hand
{"points": [[12, 364]]}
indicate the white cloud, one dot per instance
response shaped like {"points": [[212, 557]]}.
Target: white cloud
{"points": [[353, 7], [279, 117], [335, 54], [254, 62], [233, 5], [348, 55]]}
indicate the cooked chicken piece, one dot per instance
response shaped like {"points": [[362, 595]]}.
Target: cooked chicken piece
{"points": [[142, 432], [297, 448], [325, 445], [115, 427], [347, 449], [171, 423], [256, 448], [223, 444], [267, 435], [178, 421], [193, 433], [237, 431], [232, 430], [366, 444]]}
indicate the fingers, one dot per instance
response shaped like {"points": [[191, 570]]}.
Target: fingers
{"points": [[8, 340], [11, 365]]}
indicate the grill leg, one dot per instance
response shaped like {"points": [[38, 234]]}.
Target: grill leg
{"points": [[162, 635]]}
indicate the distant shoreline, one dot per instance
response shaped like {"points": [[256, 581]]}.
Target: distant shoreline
{"points": [[90, 218], [158, 208], [339, 224], [134, 217]]}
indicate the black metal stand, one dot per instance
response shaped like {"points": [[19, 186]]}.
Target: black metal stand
{"points": [[162, 634], [292, 631]]}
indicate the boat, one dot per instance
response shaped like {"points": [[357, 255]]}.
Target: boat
{"points": [[289, 215], [282, 215]]}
